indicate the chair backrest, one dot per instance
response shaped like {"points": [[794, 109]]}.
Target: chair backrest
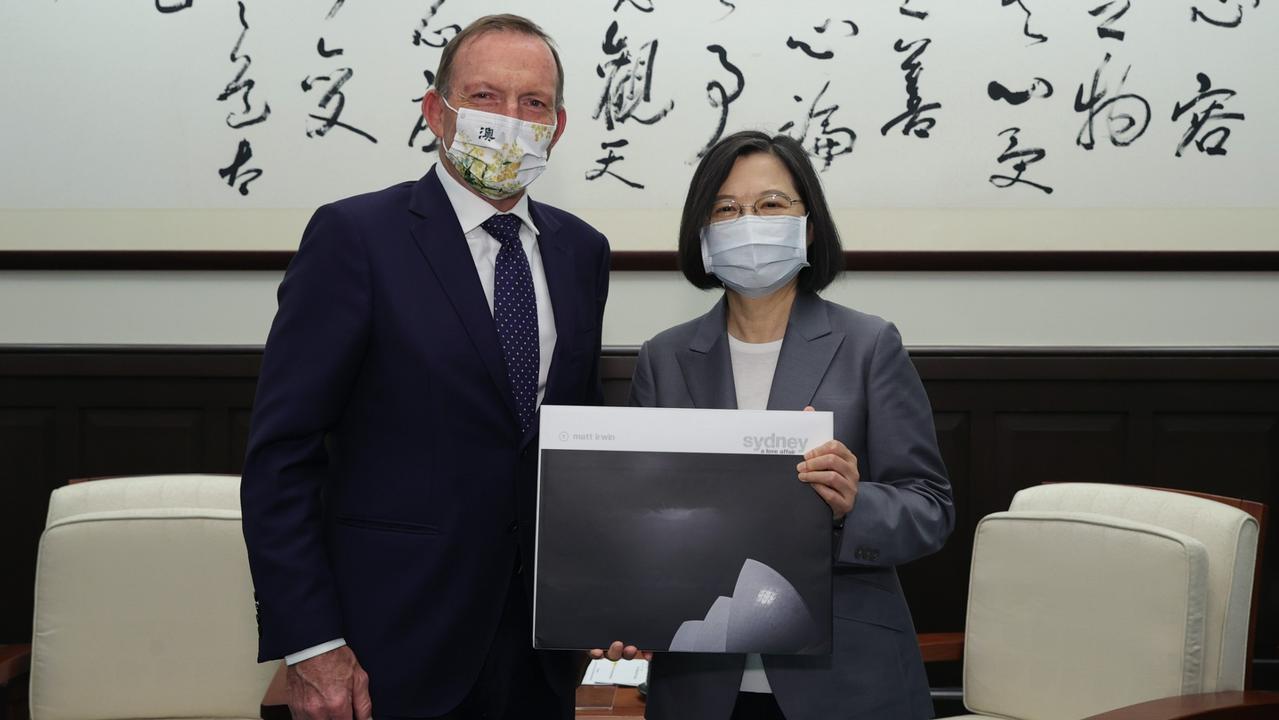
{"points": [[1082, 600], [144, 604], [1231, 537]]}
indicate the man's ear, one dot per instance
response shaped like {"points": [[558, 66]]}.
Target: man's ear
{"points": [[433, 111], [561, 117]]}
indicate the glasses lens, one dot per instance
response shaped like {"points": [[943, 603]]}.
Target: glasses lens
{"points": [[724, 210], [773, 205]]}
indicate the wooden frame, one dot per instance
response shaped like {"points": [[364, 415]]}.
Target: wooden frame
{"points": [[665, 261]]}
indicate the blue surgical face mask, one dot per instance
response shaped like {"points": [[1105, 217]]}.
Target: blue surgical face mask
{"points": [[754, 255]]}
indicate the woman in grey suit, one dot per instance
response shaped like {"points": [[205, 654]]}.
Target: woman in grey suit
{"points": [[756, 223]]}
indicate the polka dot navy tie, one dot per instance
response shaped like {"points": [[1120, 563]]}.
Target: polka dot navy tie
{"points": [[515, 313]]}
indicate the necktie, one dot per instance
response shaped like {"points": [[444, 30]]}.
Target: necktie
{"points": [[515, 313]]}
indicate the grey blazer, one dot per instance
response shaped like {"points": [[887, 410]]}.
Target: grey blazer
{"points": [[854, 365]]}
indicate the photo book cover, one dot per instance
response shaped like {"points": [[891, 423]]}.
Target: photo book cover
{"points": [[681, 530]]}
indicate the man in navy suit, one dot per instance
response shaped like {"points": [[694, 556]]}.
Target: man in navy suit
{"points": [[389, 487]]}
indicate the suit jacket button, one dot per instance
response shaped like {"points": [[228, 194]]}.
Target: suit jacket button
{"points": [[513, 528]]}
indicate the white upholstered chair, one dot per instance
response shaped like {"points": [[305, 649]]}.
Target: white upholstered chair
{"points": [[1090, 599], [143, 604]]}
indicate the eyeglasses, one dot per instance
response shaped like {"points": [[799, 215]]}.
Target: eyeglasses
{"points": [[768, 205]]}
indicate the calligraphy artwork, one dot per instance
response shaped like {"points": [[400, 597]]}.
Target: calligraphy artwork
{"points": [[904, 103]]}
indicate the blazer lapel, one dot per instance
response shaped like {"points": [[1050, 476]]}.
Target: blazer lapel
{"points": [[808, 347], [439, 238], [706, 365], [557, 265]]}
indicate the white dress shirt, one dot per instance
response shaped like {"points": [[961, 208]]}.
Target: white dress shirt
{"points": [[754, 365], [472, 211]]}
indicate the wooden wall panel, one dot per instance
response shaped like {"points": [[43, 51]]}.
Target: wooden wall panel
{"points": [[931, 577], [28, 472], [1034, 448], [1006, 419], [148, 440]]}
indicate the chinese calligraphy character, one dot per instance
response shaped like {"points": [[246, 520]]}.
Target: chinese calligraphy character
{"points": [[1105, 29], [807, 49], [1123, 127], [1020, 159], [1196, 14], [1039, 88], [420, 125], [242, 86], [335, 97], [916, 123], [172, 7], [628, 81], [1025, 28], [606, 162], [644, 6], [236, 172], [830, 142], [419, 35], [719, 96], [905, 9], [1213, 141], [793, 44]]}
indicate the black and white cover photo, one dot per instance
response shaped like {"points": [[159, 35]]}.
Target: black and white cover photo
{"points": [[681, 530]]}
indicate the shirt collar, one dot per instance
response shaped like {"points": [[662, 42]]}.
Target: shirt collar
{"points": [[472, 210]]}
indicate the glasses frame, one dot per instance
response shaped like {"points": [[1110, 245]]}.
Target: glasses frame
{"points": [[741, 209]]}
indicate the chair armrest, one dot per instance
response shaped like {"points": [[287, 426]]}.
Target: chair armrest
{"points": [[1250, 705], [941, 647], [15, 662], [275, 702]]}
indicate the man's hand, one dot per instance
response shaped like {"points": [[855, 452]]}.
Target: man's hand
{"points": [[330, 686], [620, 651], [831, 470]]}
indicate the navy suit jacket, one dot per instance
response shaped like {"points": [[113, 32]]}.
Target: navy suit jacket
{"points": [[853, 365], [388, 491]]}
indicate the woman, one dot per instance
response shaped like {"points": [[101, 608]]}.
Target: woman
{"points": [[756, 223]]}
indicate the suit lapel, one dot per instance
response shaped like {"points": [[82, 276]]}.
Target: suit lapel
{"points": [[557, 266], [808, 347], [439, 238], [706, 365]]}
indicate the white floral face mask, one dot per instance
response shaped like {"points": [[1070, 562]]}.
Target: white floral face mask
{"points": [[498, 155]]}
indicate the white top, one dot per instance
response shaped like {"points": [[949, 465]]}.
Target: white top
{"points": [[754, 365], [471, 211]]}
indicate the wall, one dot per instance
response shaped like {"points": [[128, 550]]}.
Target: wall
{"points": [[1114, 309]]}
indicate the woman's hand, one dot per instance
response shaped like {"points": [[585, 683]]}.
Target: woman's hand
{"points": [[620, 651], [831, 470]]}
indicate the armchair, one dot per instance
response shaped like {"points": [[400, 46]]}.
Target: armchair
{"points": [[144, 606], [1106, 601]]}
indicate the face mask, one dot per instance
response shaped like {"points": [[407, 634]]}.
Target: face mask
{"points": [[498, 155], [756, 255]]}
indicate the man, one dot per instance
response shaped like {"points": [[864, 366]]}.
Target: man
{"points": [[389, 487]]}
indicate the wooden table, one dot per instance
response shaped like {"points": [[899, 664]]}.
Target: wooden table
{"points": [[608, 701]]}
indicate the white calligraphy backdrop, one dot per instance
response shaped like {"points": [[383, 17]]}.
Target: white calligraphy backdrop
{"points": [[115, 108]]}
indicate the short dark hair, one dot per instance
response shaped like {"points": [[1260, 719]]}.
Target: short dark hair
{"points": [[825, 254], [504, 23]]}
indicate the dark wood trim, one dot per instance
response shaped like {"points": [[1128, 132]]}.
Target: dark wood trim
{"points": [[144, 259], [665, 261], [1218, 706], [933, 363], [941, 647], [15, 663]]}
